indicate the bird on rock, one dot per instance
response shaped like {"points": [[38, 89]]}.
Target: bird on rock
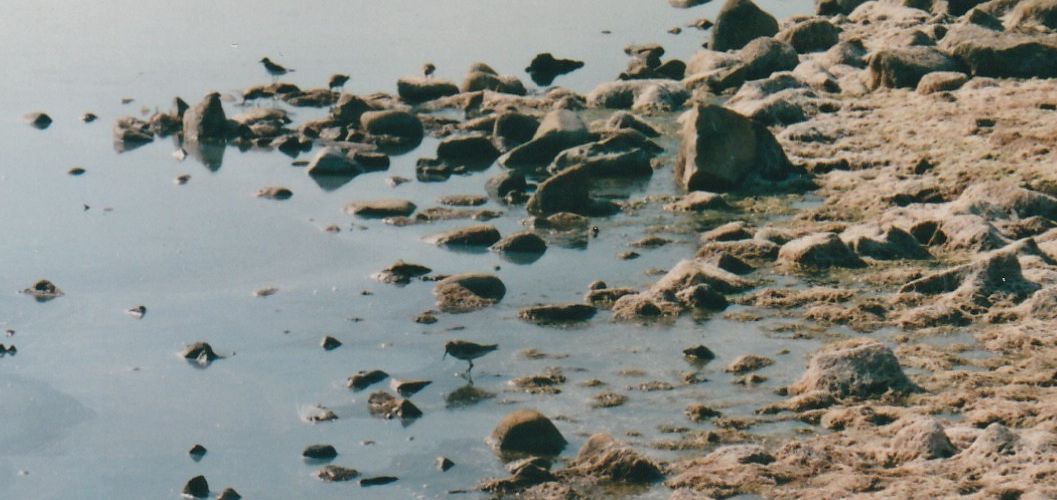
{"points": [[467, 351], [337, 81]]}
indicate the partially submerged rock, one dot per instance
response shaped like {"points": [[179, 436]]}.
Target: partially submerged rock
{"points": [[468, 292], [526, 431], [43, 291], [419, 89], [336, 473], [602, 457], [388, 207], [482, 235], [557, 313], [385, 405], [401, 272]]}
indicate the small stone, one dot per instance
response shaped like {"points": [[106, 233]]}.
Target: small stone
{"points": [[274, 193], [337, 473], [38, 120], [319, 452], [747, 363], [377, 481], [265, 292], [426, 318], [229, 494], [89, 117], [628, 255], [43, 291], [408, 387], [197, 487], [444, 463], [180, 180], [75, 171], [317, 413], [330, 343], [364, 379], [608, 400], [699, 352], [201, 352], [137, 311], [197, 451]]}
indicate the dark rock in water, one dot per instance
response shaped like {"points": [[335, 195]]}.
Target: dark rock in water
{"points": [[330, 343], [38, 120], [331, 161], [444, 463], [526, 431], [371, 161], [860, 368], [75, 171], [1002, 54], [763, 56], [130, 133], [89, 117], [197, 451], [747, 363], [416, 90], [626, 120], [605, 458], [480, 80], [229, 494], [501, 185], [43, 291], [686, 4], [738, 23], [380, 208], [526, 473], [722, 149], [559, 130], [521, 242], [608, 400], [206, 122], [319, 452], [557, 313], [702, 297], [698, 412], [896, 68], [377, 481], [568, 191], [274, 193], [196, 487], [811, 35], [385, 405], [317, 413], [819, 251], [401, 272], [408, 387], [336, 473], [349, 109], [432, 170], [363, 379], [468, 292], [201, 353], [426, 318], [606, 297], [730, 263], [474, 236], [512, 129], [699, 352], [544, 68], [465, 396], [165, 124], [394, 123], [474, 149]]}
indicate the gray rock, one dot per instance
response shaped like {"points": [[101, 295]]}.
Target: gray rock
{"points": [[512, 129], [625, 120], [331, 161], [506, 84], [567, 191], [468, 292], [559, 130], [206, 121], [643, 95], [557, 313], [860, 368], [196, 487], [526, 431], [720, 150], [811, 35], [896, 68], [394, 123], [349, 109], [420, 89], [738, 23], [319, 452]]}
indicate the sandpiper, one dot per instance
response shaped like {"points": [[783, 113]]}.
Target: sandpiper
{"points": [[274, 69], [467, 351], [428, 69]]}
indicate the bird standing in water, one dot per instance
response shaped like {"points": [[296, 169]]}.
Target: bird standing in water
{"points": [[467, 351], [428, 69], [274, 69]]}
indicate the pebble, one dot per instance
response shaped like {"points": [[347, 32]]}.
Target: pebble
{"points": [[76, 171], [265, 292], [330, 343], [180, 180], [319, 452], [229, 494], [337, 473], [89, 117], [197, 487], [197, 452], [377, 481], [444, 463]]}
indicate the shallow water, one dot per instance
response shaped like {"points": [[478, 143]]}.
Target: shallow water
{"points": [[98, 404]]}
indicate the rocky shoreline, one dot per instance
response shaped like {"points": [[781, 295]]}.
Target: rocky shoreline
{"points": [[928, 129]]}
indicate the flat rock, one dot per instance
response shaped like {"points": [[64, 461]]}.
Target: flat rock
{"points": [[421, 89], [482, 235], [381, 208], [557, 313], [468, 292]]}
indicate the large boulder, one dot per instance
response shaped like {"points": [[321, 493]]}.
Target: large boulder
{"points": [[722, 149], [526, 431], [858, 368], [392, 123], [419, 89], [512, 129], [819, 251], [904, 67], [468, 292], [620, 155], [640, 95], [738, 23], [560, 129], [811, 35], [205, 121], [1002, 54]]}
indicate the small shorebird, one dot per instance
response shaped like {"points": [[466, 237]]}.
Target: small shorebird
{"points": [[274, 69], [337, 81], [428, 69], [467, 351]]}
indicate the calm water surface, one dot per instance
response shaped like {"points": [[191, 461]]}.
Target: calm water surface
{"points": [[98, 404]]}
